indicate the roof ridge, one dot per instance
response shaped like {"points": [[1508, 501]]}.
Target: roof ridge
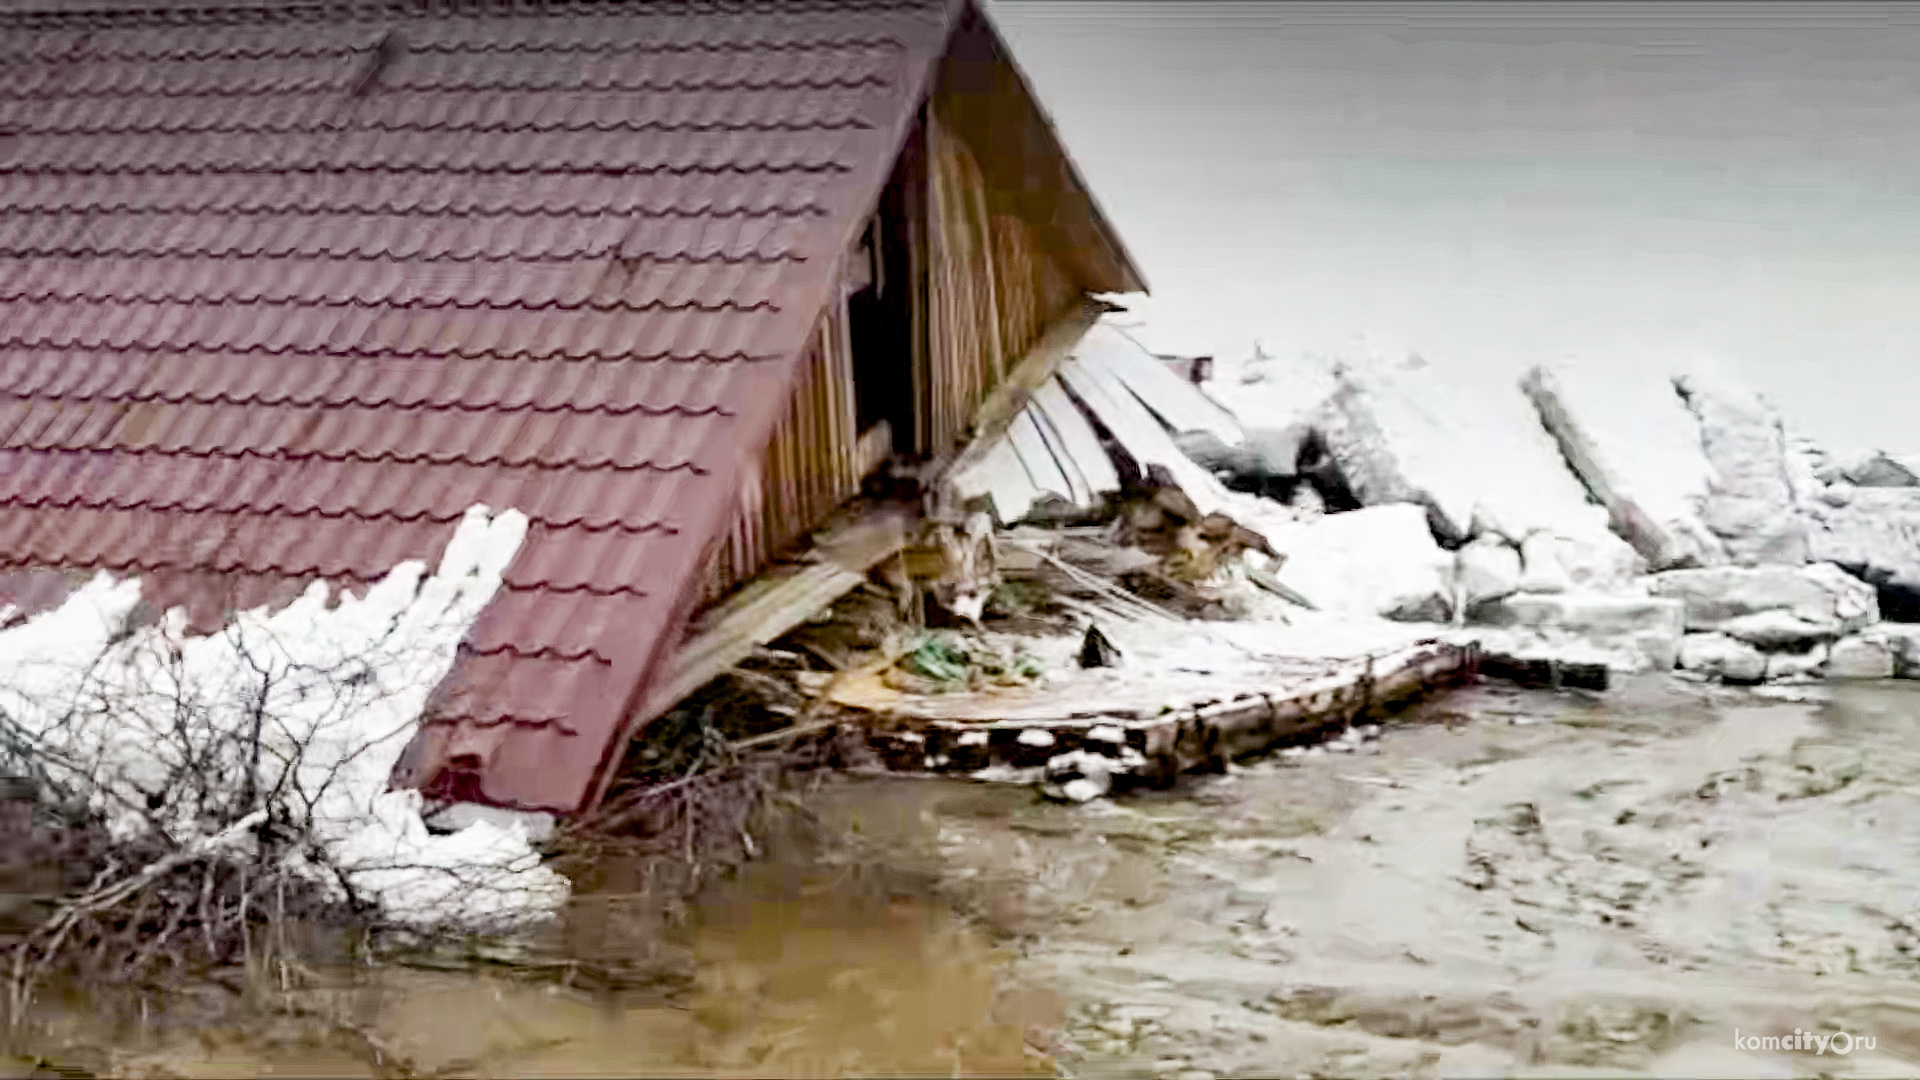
{"points": [[202, 12]]}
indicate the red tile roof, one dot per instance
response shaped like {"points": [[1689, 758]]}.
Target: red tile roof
{"points": [[286, 287]]}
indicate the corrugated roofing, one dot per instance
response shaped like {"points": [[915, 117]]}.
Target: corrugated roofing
{"points": [[285, 288]]}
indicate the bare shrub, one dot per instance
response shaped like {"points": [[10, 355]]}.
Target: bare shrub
{"points": [[217, 796]]}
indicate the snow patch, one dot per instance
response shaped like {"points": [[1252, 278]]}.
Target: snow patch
{"points": [[337, 691], [1367, 563], [1648, 444]]}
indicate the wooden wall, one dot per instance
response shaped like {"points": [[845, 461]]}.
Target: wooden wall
{"points": [[986, 289], [809, 468], [992, 288]]}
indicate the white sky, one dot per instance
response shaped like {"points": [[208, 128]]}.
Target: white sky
{"points": [[1497, 184]]}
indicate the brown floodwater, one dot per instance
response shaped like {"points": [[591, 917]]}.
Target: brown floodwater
{"points": [[1504, 883]]}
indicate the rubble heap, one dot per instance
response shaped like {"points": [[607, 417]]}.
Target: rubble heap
{"points": [[1668, 524]]}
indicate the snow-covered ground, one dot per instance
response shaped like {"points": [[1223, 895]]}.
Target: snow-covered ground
{"points": [[1550, 517]]}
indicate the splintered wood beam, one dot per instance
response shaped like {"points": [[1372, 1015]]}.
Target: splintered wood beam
{"points": [[873, 449], [778, 602], [996, 415]]}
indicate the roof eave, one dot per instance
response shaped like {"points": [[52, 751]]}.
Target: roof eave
{"points": [[1127, 273]]}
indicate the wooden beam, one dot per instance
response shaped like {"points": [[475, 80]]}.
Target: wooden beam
{"points": [[873, 449], [997, 413], [788, 596]]}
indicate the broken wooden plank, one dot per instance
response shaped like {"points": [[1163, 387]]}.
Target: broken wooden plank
{"points": [[1178, 404], [873, 449], [1140, 433], [1001, 477], [1042, 467], [997, 413], [770, 607], [1278, 588], [1083, 497], [1078, 441]]}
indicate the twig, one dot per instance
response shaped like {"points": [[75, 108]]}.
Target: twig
{"points": [[792, 732], [116, 893], [206, 908], [1096, 583], [1377, 781], [1093, 581], [56, 929]]}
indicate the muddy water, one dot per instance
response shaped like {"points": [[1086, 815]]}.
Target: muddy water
{"points": [[808, 975], [1511, 883]]}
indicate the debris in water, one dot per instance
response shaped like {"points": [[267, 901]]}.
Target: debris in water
{"points": [[1097, 651]]}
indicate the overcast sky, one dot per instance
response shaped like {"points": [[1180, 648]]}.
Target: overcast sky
{"points": [[1498, 184]]}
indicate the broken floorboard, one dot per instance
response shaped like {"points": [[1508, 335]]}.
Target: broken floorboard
{"points": [[782, 599], [1150, 739], [1545, 671]]}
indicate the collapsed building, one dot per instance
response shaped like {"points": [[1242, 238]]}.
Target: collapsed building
{"points": [[289, 288], [746, 310]]}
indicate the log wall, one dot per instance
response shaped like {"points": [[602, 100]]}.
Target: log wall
{"points": [[992, 287], [810, 466], [986, 288]]}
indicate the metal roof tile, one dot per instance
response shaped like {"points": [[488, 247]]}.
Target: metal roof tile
{"points": [[601, 562], [29, 371], [566, 626], [524, 690], [44, 424], [250, 337], [15, 526]]}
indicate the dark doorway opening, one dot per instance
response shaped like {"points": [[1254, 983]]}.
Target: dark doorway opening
{"points": [[880, 314]]}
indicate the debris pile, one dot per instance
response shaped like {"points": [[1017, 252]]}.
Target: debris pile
{"points": [[1566, 521], [1588, 517], [1136, 575], [943, 663]]}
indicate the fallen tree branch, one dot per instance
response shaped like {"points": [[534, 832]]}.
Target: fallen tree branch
{"points": [[113, 894], [54, 931]]}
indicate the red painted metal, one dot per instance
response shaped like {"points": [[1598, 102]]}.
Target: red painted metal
{"points": [[286, 287]]}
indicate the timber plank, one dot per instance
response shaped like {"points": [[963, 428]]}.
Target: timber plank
{"points": [[769, 608]]}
